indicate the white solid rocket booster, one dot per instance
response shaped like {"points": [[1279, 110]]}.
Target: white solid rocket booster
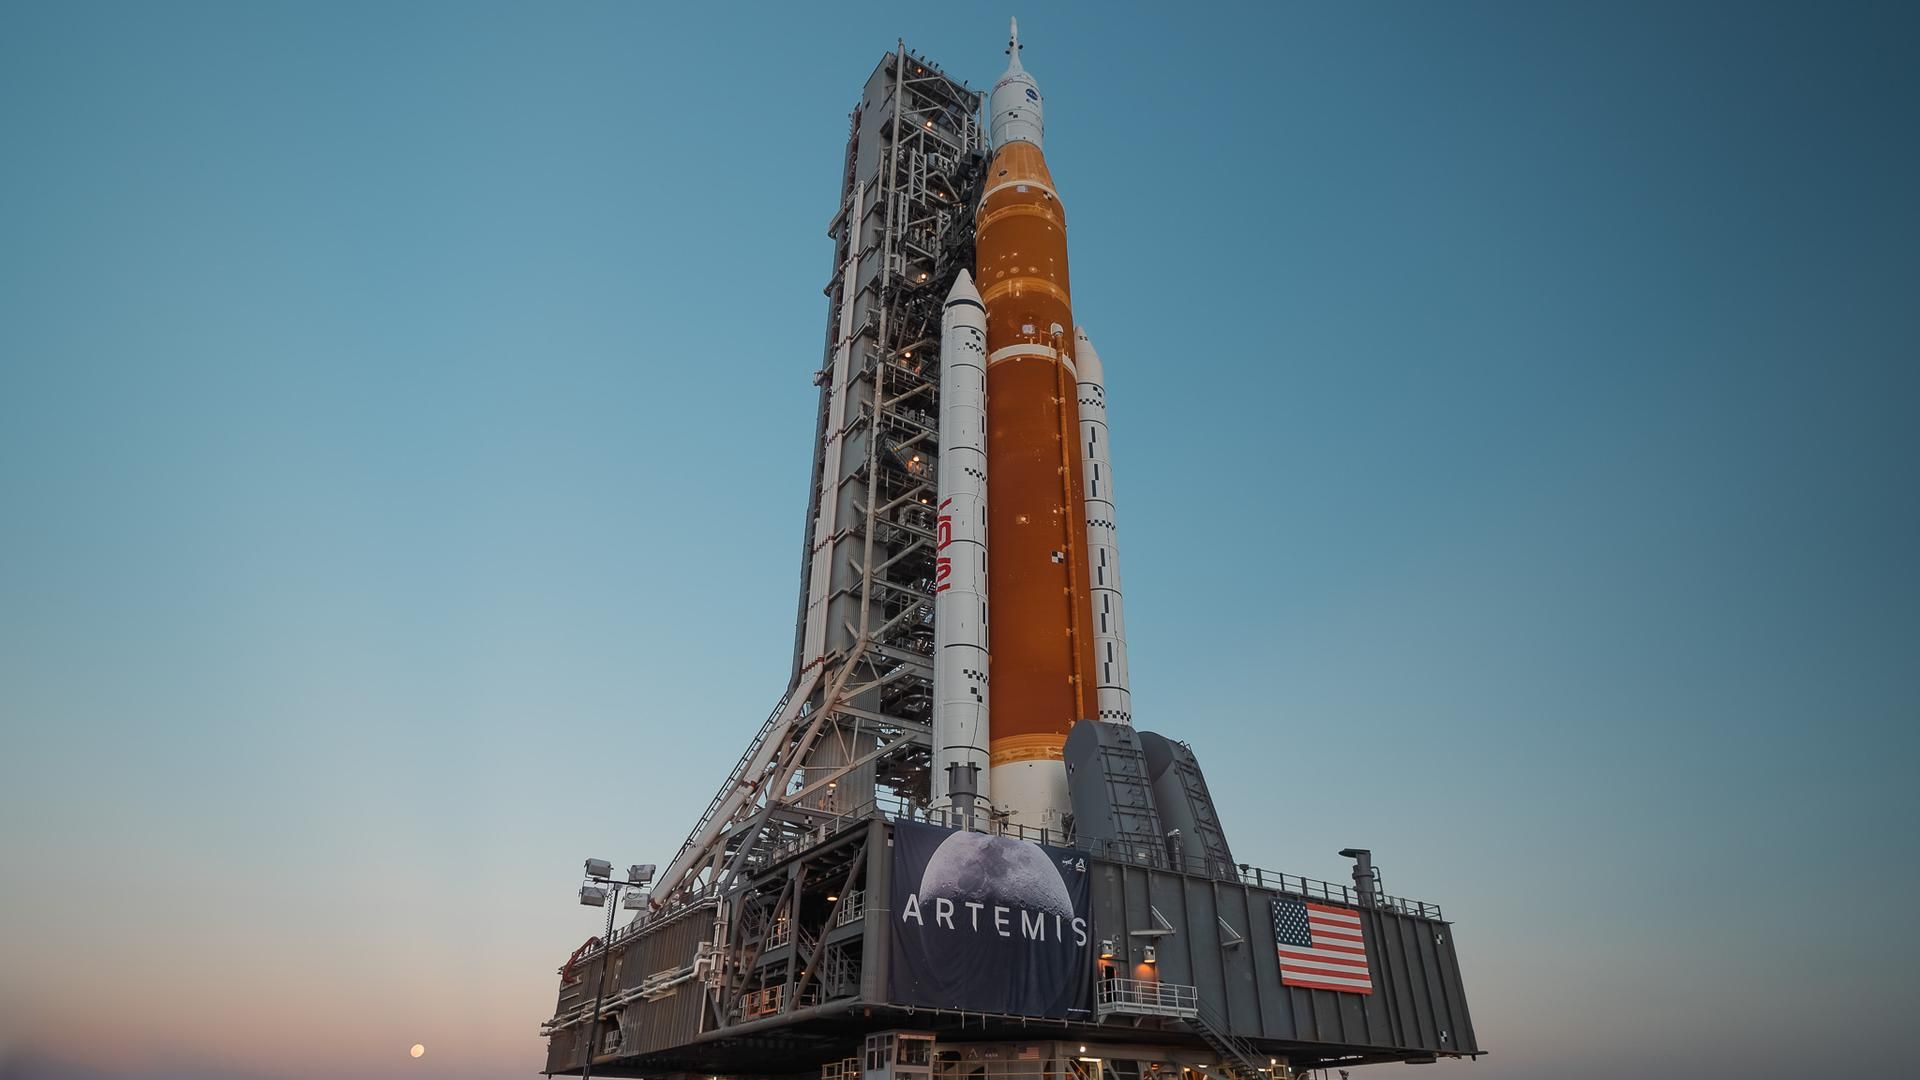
{"points": [[1115, 701], [960, 720]]}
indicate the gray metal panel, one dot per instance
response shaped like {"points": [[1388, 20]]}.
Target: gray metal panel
{"points": [[878, 946], [1107, 780], [1401, 998], [1417, 949], [1180, 792], [1418, 994], [1457, 1014], [1241, 999]]}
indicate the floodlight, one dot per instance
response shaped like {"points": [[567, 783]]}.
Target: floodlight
{"points": [[640, 874], [592, 896], [1106, 948], [636, 900], [599, 869], [1150, 956]]}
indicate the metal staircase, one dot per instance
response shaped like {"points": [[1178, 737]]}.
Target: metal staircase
{"points": [[1239, 1058]]}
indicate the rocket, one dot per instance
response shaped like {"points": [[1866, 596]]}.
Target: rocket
{"points": [[1114, 699], [1055, 646], [960, 761]]}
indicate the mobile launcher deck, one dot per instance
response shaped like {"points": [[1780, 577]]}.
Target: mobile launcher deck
{"points": [[886, 945]]}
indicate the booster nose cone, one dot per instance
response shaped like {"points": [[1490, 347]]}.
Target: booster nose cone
{"points": [[963, 289], [1085, 360], [1015, 105]]}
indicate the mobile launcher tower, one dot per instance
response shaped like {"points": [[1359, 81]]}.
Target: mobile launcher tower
{"points": [[948, 852]]}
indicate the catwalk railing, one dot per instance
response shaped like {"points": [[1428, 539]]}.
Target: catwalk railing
{"points": [[1146, 997], [1156, 856]]}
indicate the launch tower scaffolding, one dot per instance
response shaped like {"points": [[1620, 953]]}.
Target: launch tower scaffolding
{"points": [[855, 721]]}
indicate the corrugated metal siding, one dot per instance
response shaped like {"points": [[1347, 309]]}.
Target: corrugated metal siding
{"points": [[645, 1026], [1418, 1002], [654, 1025]]}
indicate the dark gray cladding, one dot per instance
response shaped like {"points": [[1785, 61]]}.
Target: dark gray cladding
{"points": [[1180, 793], [1218, 936], [1112, 794], [781, 1010]]}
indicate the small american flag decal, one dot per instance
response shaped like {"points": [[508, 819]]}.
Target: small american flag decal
{"points": [[1321, 946]]}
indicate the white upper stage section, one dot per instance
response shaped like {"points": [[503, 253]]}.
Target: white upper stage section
{"points": [[1015, 104]]}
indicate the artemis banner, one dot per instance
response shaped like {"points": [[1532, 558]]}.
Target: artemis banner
{"points": [[989, 924]]}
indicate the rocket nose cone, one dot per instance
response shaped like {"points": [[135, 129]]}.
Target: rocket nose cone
{"points": [[1085, 359]]}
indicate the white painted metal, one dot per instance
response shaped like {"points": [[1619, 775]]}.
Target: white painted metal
{"points": [[739, 793], [1033, 793], [1114, 700], [960, 716], [1015, 106], [839, 418]]}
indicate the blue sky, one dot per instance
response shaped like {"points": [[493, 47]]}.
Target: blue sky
{"points": [[404, 415]]}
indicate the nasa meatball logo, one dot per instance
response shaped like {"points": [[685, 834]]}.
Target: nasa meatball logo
{"points": [[980, 884], [1032, 94]]}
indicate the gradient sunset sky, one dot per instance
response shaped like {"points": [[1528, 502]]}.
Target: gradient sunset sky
{"points": [[404, 423]]}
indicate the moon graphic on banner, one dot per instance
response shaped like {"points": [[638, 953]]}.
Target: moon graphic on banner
{"points": [[995, 870]]}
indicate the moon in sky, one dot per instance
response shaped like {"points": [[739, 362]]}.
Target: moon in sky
{"points": [[417, 1050]]}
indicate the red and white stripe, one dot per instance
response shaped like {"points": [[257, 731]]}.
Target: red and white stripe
{"points": [[1337, 959]]}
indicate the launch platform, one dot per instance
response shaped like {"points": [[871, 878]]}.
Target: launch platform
{"points": [[908, 875], [1186, 976]]}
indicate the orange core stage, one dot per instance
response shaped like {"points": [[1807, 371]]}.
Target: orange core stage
{"points": [[1040, 635]]}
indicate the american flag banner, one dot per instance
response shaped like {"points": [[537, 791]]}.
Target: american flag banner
{"points": [[1321, 946]]}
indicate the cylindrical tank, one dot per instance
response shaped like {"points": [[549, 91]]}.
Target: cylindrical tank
{"points": [[1040, 636], [960, 718], [1112, 696]]}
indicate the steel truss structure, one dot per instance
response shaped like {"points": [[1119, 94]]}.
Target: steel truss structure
{"points": [[855, 720]]}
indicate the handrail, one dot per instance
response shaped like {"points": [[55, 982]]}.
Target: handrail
{"points": [[1146, 997], [1213, 1027], [1154, 855]]}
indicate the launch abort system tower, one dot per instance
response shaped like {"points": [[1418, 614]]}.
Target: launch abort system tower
{"points": [[886, 887]]}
